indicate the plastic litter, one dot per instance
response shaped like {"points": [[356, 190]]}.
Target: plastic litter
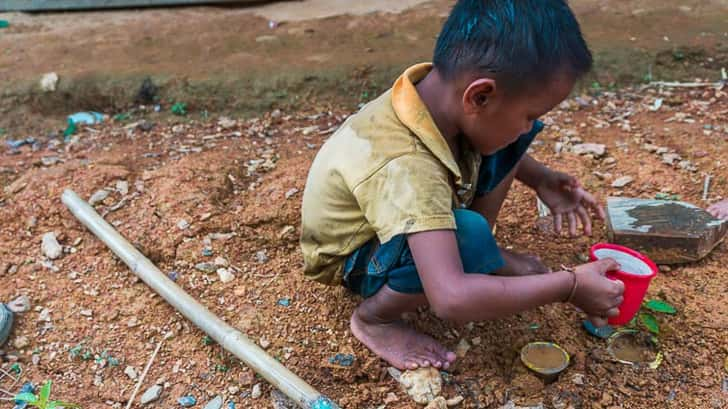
{"points": [[86, 118], [4, 24], [187, 401], [15, 144], [599, 332], [342, 359], [26, 388]]}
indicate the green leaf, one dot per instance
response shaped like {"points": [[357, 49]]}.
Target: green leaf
{"points": [[65, 405], [45, 393], [660, 306], [27, 397], [650, 322]]}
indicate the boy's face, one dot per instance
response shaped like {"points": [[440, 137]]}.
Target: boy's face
{"points": [[493, 120]]}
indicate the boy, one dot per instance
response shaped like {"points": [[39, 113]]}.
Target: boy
{"points": [[378, 205]]}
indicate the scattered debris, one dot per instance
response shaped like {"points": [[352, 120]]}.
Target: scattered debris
{"points": [[291, 192], [261, 257], [284, 302], [21, 342], [183, 224], [187, 401], [151, 394], [216, 403], [423, 385], [462, 348], [342, 359], [48, 82], [179, 109], [206, 267], [596, 149], [86, 118], [256, 392], [622, 181], [225, 275], [50, 246], [706, 187], [131, 373], [20, 304]]}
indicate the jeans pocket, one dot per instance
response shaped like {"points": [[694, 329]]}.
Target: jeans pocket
{"points": [[387, 256]]}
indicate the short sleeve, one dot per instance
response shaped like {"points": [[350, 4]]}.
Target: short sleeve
{"points": [[408, 194]]}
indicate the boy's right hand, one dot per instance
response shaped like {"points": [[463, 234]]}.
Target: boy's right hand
{"points": [[596, 294]]}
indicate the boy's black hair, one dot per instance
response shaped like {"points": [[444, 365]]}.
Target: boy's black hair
{"points": [[519, 42]]}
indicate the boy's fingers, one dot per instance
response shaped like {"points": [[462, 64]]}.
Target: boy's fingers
{"points": [[612, 312], [607, 264], [585, 220], [572, 224], [592, 202], [557, 223]]}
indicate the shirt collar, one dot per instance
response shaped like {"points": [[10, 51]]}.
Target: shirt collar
{"points": [[413, 113]]}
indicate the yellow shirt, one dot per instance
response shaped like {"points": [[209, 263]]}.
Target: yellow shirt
{"points": [[386, 171]]}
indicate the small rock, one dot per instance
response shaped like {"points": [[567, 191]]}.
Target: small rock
{"points": [[266, 39], [422, 385], [286, 231], [131, 373], [48, 82], [183, 224], [609, 161], [225, 275], [226, 123], [35, 359], [264, 343], [98, 197], [233, 390], [20, 304], [21, 342], [187, 401], [86, 313], [132, 322], [206, 267], [122, 186], [438, 403], [665, 268], [671, 158], [256, 392], [578, 379], [390, 398], [50, 246], [221, 261], [261, 257], [455, 401], [462, 348], [151, 394], [49, 160], [476, 341], [45, 315], [291, 192], [216, 403], [596, 149], [622, 181]]}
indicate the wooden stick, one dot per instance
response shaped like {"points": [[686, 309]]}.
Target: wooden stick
{"points": [[706, 187], [234, 341], [144, 374], [682, 84]]}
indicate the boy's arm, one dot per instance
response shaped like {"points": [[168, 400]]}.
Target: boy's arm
{"points": [[456, 296], [562, 193]]}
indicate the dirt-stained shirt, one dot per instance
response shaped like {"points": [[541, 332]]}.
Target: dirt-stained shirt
{"points": [[387, 171]]}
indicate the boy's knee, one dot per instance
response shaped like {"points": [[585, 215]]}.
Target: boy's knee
{"points": [[478, 250], [471, 224]]}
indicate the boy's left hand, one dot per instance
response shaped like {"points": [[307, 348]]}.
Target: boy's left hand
{"points": [[566, 198]]}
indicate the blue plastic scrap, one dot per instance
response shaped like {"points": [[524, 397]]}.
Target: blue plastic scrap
{"points": [[20, 142], [26, 388], [322, 402], [342, 359], [86, 118], [284, 302], [187, 401], [601, 332]]}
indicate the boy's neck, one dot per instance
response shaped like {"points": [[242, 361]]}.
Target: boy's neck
{"points": [[437, 97]]}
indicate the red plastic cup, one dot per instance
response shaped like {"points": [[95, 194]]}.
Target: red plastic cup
{"points": [[636, 272]]}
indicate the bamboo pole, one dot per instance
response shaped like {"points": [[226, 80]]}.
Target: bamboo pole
{"points": [[228, 337]]}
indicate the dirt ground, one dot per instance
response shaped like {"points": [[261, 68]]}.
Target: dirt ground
{"points": [[237, 183]]}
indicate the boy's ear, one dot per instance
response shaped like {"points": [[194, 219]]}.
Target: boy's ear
{"points": [[478, 94]]}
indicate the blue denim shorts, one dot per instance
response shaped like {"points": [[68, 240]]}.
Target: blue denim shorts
{"points": [[373, 265]]}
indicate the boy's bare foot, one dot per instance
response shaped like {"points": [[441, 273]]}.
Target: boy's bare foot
{"points": [[398, 344], [376, 323], [719, 210], [521, 264]]}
